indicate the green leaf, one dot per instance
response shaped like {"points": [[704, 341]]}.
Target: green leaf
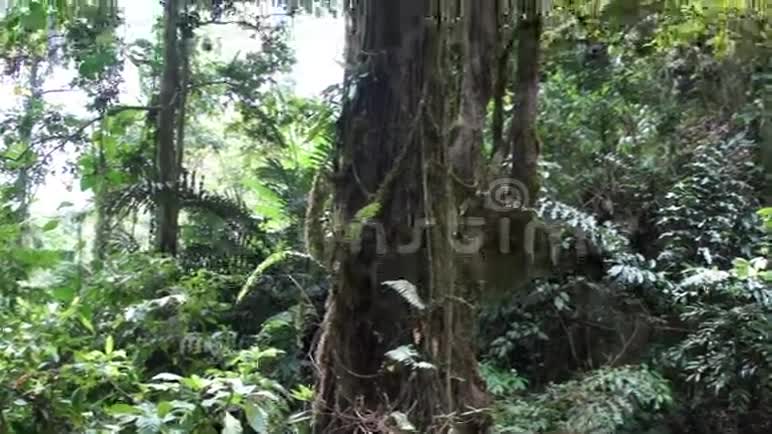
{"points": [[257, 417], [741, 268], [765, 213], [269, 204], [86, 322], [36, 18], [65, 294], [303, 393], [766, 276], [367, 213], [87, 182], [231, 425], [269, 262], [51, 225], [121, 408], [95, 63], [109, 345], [193, 382], [164, 407]]}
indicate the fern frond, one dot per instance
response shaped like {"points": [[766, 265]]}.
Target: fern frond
{"points": [[407, 291], [407, 355], [269, 262], [363, 216]]}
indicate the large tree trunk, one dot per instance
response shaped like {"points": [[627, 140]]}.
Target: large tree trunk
{"points": [[167, 208], [405, 139]]}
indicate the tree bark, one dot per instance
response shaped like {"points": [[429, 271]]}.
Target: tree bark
{"points": [[167, 207], [182, 101], [525, 145], [479, 42], [411, 124], [501, 85]]}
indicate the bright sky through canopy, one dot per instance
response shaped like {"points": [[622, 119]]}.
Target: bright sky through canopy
{"points": [[318, 44]]}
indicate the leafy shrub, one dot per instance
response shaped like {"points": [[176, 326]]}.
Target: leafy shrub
{"points": [[706, 217], [602, 402], [137, 346], [725, 361]]}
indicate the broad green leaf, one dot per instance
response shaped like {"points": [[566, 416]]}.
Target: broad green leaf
{"points": [[231, 425], [65, 294], [194, 382], [164, 407], [51, 225], [368, 212], [256, 417], [364, 215], [765, 212], [122, 408]]}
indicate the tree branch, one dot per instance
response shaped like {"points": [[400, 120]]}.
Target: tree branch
{"points": [[67, 138], [244, 23]]}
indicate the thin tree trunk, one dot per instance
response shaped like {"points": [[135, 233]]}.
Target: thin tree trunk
{"points": [[480, 36], [166, 157], [525, 146], [23, 184], [102, 225], [501, 84], [182, 103]]}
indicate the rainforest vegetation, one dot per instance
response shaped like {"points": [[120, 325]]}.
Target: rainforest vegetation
{"points": [[504, 216]]}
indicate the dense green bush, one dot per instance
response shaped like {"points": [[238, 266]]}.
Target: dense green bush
{"points": [[139, 344]]}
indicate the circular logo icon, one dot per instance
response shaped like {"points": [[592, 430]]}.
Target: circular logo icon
{"points": [[506, 194]]}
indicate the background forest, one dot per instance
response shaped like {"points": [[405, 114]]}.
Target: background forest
{"points": [[207, 287]]}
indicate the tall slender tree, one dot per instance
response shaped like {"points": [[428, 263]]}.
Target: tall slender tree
{"points": [[525, 145], [23, 185], [167, 224]]}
